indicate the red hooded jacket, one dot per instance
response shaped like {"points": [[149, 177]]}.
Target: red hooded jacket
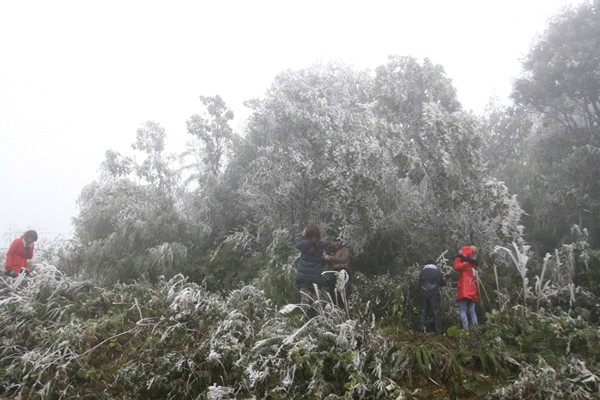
{"points": [[17, 256], [467, 285]]}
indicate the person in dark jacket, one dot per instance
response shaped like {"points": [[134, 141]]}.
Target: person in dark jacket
{"points": [[310, 265], [19, 252], [430, 281]]}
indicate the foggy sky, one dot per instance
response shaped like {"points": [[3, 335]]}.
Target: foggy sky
{"points": [[78, 78]]}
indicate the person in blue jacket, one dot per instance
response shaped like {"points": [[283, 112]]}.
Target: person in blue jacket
{"points": [[310, 265], [431, 280]]}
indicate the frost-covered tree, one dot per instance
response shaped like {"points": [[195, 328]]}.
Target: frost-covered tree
{"points": [[209, 203], [212, 136], [560, 83], [155, 167], [333, 146], [560, 72], [506, 131], [128, 223], [402, 88], [465, 205], [438, 147], [311, 154]]}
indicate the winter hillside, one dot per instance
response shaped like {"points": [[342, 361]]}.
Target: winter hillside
{"points": [[63, 338], [180, 281]]}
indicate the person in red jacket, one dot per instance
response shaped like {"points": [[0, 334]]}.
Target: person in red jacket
{"points": [[19, 252], [467, 293]]}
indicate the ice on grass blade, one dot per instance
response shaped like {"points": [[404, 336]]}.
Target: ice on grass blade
{"points": [[341, 279], [290, 339], [219, 392], [173, 284], [43, 269], [288, 380], [17, 281], [255, 376], [346, 334], [213, 356], [520, 259], [186, 299], [288, 308], [378, 369], [372, 320]]}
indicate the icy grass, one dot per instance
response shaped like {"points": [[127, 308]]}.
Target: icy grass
{"points": [[176, 340]]}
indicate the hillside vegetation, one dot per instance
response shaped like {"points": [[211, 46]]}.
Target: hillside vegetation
{"points": [[179, 282], [69, 339]]}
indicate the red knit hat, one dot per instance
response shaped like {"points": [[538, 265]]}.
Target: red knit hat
{"points": [[467, 251]]}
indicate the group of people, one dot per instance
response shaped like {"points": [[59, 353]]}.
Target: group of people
{"points": [[313, 256], [310, 268], [431, 280], [20, 250]]}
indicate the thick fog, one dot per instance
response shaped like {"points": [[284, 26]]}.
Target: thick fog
{"points": [[77, 78]]}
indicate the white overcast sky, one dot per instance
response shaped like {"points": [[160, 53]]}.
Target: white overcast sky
{"points": [[79, 77]]}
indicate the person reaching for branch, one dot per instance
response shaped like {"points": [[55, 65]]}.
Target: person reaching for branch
{"points": [[467, 294], [310, 265]]}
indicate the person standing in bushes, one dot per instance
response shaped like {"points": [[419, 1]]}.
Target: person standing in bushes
{"points": [[340, 261], [310, 265], [467, 293], [19, 252], [431, 280]]}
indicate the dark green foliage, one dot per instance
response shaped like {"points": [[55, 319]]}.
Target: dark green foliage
{"points": [[545, 335], [223, 268], [587, 272], [278, 283]]}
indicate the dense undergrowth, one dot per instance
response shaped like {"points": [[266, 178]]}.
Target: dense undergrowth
{"points": [[174, 339]]}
